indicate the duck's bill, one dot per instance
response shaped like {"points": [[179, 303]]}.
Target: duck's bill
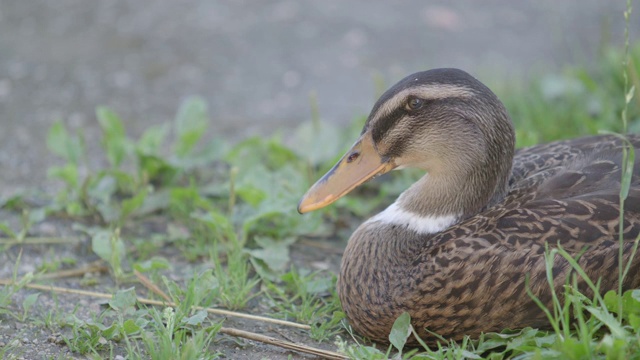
{"points": [[361, 163]]}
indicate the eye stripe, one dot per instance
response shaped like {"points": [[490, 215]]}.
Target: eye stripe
{"points": [[387, 109], [385, 124], [388, 113]]}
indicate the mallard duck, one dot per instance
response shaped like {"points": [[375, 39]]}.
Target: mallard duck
{"points": [[455, 249]]}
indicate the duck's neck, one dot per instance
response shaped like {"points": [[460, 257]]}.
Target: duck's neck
{"points": [[438, 201]]}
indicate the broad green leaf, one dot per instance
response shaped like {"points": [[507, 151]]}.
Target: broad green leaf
{"points": [[611, 301], [469, 355], [608, 319], [67, 173], [156, 169], [634, 321], [367, 352], [185, 200], [197, 319], [156, 263], [132, 204], [400, 331], [123, 299], [64, 145], [108, 332], [152, 139], [110, 123], [275, 254], [130, 327], [115, 140], [142, 322], [125, 181], [58, 139], [101, 191], [631, 302], [73, 320], [491, 344], [190, 124], [613, 348], [319, 285], [155, 201], [105, 242], [103, 188]]}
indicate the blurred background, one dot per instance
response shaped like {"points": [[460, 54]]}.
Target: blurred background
{"points": [[256, 63]]}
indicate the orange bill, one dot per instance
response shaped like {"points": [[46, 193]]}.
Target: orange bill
{"points": [[361, 163]]}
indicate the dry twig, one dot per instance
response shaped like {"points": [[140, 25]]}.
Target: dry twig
{"points": [[96, 266], [61, 290], [151, 286], [284, 344]]}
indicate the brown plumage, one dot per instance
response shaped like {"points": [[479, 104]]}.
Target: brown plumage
{"points": [[455, 249]]}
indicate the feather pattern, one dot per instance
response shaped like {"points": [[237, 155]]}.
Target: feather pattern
{"points": [[471, 278], [503, 208]]}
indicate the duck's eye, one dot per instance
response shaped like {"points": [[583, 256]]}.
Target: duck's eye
{"points": [[414, 103]]}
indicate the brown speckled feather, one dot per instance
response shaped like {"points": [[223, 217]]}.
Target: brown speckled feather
{"points": [[471, 278]]}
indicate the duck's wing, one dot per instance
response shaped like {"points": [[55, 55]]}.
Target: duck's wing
{"points": [[562, 194], [542, 160], [565, 193]]}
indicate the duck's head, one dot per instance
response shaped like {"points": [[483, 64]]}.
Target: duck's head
{"points": [[443, 121]]}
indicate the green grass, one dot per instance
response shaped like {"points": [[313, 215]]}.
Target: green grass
{"points": [[231, 208], [308, 298]]}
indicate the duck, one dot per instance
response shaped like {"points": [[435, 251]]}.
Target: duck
{"points": [[461, 249]]}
